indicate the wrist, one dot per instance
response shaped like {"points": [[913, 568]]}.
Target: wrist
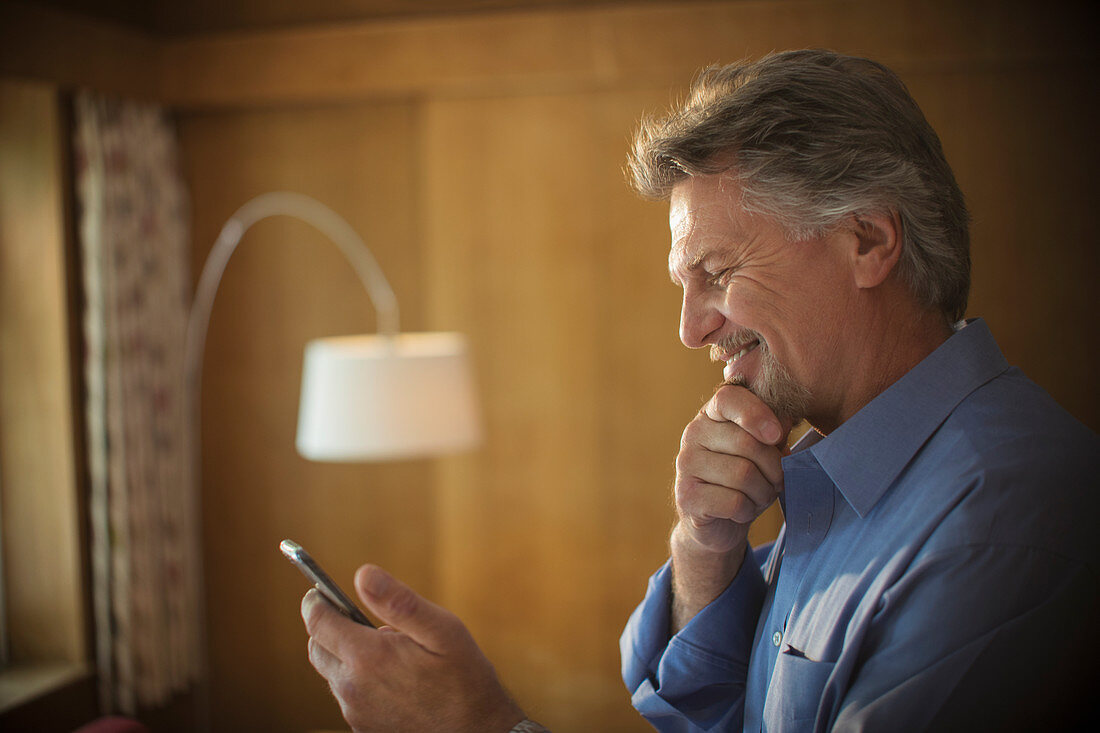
{"points": [[707, 559], [506, 718], [699, 574]]}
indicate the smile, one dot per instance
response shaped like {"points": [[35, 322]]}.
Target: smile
{"points": [[732, 371], [734, 357]]}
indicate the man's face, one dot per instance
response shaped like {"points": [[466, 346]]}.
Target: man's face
{"points": [[771, 309]]}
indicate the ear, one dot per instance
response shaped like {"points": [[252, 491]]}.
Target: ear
{"points": [[878, 238]]}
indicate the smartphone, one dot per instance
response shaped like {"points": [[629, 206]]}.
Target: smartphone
{"points": [[322, 582]]}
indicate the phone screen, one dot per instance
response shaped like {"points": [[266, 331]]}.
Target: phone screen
{"points": [[322, 582]]}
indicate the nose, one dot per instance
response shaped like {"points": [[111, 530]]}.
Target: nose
{"points": [[699, 320]]}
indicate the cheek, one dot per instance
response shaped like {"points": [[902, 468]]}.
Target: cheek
{"points": [[793, 322], [755, 304], [818, 339]]}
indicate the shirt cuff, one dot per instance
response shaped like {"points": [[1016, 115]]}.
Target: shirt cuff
{"points": [[708, 658], [646, 634]]}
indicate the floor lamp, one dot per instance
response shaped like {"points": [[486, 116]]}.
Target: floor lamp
{"points": [[371, 397]]}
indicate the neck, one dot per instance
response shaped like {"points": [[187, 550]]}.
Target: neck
{"points": [[882, 347]]}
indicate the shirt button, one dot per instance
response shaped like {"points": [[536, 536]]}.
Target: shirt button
{"points": [[776, 638]]}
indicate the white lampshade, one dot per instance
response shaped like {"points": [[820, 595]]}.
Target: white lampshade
{"points": [[372, 398]]}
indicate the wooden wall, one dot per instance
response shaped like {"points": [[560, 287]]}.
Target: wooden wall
{"points": [[286, 284], [480, 156], [42, 593], [487, 175]]}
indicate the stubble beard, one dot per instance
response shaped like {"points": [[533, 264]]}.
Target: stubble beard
{"points": [[782, 393]]}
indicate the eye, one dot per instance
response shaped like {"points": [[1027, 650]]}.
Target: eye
{"points": [[721, 278]]}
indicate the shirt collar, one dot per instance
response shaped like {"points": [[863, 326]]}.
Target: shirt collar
{"points": [[869, 450]]}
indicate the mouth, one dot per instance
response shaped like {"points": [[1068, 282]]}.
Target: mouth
{"points": [[733, 358]]}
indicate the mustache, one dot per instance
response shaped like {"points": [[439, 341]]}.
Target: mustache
{"points": [[734, 342]]}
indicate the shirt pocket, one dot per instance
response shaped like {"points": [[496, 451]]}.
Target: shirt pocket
{"points": [[795, 692]]}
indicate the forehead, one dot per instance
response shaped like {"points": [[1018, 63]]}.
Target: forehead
{"points": [[704, 217]]}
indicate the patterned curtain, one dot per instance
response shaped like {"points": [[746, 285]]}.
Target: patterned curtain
{"points": [[133, 218]]}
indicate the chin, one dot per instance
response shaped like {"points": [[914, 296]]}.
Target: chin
{"points": [[788, 398]]}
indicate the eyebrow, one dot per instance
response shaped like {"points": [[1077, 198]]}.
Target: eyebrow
{"points": [[695, 264]]}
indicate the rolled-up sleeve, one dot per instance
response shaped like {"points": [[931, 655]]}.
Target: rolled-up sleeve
{"points": [[696, 679]]}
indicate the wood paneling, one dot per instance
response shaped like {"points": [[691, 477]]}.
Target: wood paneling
{"points": [[516, 228], [206, 16], [548, 534], [480, 157], [286, 284], [630, 46], [73, 51], [211, 16], [43, 588]]}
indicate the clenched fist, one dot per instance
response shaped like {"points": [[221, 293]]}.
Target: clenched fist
{"points": [[728, 472]]}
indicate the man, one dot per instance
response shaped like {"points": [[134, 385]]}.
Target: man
{"points": [[936, 569], [933, 571]]}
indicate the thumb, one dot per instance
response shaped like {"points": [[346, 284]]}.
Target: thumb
{"points": [[433, 627]]}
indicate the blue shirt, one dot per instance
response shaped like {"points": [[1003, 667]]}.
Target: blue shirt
{"points": [[937, 570]]}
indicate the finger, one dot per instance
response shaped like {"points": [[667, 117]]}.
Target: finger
{"points": [[726, 438], [324, 661], [433, 627], [332, 629], [701, 502], [731, 473], [737, 404]]}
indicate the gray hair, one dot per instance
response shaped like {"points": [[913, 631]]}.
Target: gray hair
{"points": [[813, 137]]}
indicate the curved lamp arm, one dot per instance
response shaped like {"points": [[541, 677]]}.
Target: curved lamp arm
{"points": [[311, 211]]}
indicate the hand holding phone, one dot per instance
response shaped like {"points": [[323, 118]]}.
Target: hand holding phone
{"points": [[322, 582]]}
